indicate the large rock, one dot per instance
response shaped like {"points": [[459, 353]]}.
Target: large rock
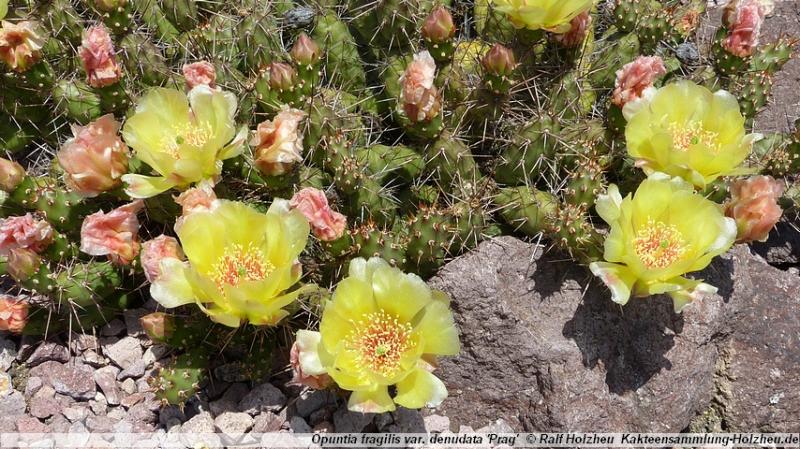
{"points": [[545, 349]]}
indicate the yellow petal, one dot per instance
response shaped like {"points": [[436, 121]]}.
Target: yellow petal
{"points": [[376, 401], [438, 329], [173, 288], [140, 186], [420, 389]]}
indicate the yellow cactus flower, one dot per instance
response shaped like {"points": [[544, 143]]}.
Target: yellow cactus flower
{"points": [[183, 138], [240, 263], [382, 328], [660, 233], [686, 130], [550, 15]]}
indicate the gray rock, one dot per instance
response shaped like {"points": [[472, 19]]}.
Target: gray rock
{"points": [[782, 248], [346, 421], [32, 386], [12, 404], [233, 423], [76, 412], [128, 386], [202, 422], [263, 398], [44, 404], [48, 351], [106, 379], [299, 425], [112, 328], [117, 413], [8, 353], [310, 401], [59, 424], [100, 424], [436, 423], [229, 402], [406, 421], [125, 352], [498, 426], [170, 414], [267, 422], [83, 342], [143, 412], [135, 370], [154, 353], [132, 399], [552, 339], [75, 381], [29, 424], [92, 358]]}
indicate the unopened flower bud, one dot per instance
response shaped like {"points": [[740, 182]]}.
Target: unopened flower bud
{"points": [[754, 206], [499, 61], [282, 76], [158, 326], [200, 73], [439, 27], [305, 51], [11, 175], [20, 45], [13, 314], [22, 263]]}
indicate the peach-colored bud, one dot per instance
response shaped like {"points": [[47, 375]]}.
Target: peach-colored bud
{"points": [[499, 61], [580, 27], [754, 206], [278, 143], [20, 45], [114, 234], [635, 77], [22, 263], [419, 97], [300, 378], [744, 20], [438, 26], [154, 251], [326, 223], [24, 232], [13, 314], [282, 76], [11, 175], [200, 73], [305, 51], [95, 159], [158, 326], [109, 5], [198, 198], [98, 57]]}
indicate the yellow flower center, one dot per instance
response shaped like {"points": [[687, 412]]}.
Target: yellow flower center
{"points": [[240, 264], [380, 341], [189, 134], [684, 136], [658, 245]]}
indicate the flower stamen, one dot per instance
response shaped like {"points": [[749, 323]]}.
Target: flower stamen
{"points": [[686, 136], [659, 245], [380, 341], [239, 264]]}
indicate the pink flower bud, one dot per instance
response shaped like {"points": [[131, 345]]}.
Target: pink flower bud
{"points": [[326, 223], [96, 158], [305, 51], [11, 175], [580, 27], [754, 206], [114, 234], [744, 19], [98, 57], [20, 45], [419, 97], [279, 143], [200, 73], [299, 377], [438, 26], [13, 314], [24, 232], [199, 198], [22, 263], [154, 251], [635, 77], [158, 326], [499, 61], [282, 76]]}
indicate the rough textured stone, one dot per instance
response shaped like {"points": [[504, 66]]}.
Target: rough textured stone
{"points": [[106, 379], [12, 404], [32, 386], [312, 400], [76, 412], [113, 328], [263, 398], [232, 423], [783, 246], [267, 422], [28, 424], [200, 423], [75, 381], [299, 425], [44, 403], [125, 352], [436, 423], [562, 356], [100, 424], [351, 422], [48, 351], [8, 352]]}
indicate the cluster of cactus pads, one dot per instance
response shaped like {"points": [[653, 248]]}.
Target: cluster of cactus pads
{"points": [[405, 130]]}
